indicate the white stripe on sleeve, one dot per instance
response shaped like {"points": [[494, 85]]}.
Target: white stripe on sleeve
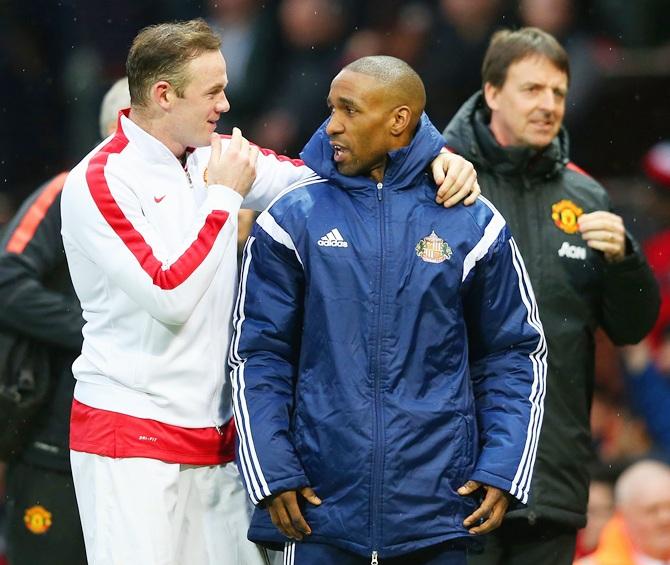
{"points": [[522, 479]]}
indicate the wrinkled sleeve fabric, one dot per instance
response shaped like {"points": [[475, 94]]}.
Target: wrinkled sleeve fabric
{"points": [[507, 361], [264, 360], [31, 256]]}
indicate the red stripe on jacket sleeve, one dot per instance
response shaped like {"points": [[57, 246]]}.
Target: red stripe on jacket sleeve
{"points": [[28, 225], [189, 261], [270, 152]]}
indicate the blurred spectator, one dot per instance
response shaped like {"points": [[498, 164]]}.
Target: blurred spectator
{"points": [[647, 378], [656, 165], [451, 63], [617, 435], [639, 532], [313, 31], [599, 510], [249, 43], [402, 34], [643, 23]]}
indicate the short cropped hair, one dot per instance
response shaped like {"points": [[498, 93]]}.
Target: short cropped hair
{"points": [[162, 51], [404, 84], [507, 47]]}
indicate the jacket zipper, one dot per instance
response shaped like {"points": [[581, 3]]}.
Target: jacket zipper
{"points": [[378, 448], [374, 560]]}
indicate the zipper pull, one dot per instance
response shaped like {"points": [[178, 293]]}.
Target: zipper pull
{"points": [[374, 560], [218, 429], [379, 194]]}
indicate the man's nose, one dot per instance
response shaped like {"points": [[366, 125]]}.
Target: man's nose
{"points": [[548, 100], [222, 105], [333, 126]]}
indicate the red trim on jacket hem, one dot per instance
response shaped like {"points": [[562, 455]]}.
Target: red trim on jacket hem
{"points": [[190, 260], [116, 435], [28, 225]]}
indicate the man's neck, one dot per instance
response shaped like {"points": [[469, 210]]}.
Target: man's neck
{"points": [[155, 127], [499, 134]]}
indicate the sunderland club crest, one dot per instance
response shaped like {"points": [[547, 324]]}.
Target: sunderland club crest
{"points": [[433, 249]]}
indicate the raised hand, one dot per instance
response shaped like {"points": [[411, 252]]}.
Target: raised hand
{"points": [[456, 179], [236, 166], [605, 232]]}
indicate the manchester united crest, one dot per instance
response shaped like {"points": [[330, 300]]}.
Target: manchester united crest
{"points": [[565, 214], [37, 519], [433, 249]]}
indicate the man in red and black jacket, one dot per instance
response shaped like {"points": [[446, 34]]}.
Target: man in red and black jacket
{"points": [[37, 300]]}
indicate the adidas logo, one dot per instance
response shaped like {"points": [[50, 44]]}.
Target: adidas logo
{"points": [[333, 239]]}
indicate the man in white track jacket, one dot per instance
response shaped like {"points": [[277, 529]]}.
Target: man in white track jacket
{"points": [[149, 228]]}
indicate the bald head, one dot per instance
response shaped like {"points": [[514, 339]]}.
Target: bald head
{"points": [[403, 86], [642, 496], [640, 479]]}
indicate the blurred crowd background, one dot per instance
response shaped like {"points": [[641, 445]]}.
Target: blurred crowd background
{"points": [[58, 57]]}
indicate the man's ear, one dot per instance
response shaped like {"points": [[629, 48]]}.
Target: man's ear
{"points": [[491, 95], [402, 117], [163, 94]]}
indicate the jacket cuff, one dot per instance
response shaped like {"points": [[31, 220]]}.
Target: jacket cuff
{"points": [[490, 479], [220, 197], [277, 487], [632, 259]]}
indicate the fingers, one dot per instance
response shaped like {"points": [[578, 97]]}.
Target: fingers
{"points": [[490, 513], [461, 193], [215, 142], [469, 488], [604, 232], [438, 172], [253, 155], [287, 517], [476, 191], [236, 139], [310, 496], [459, 181], [236, 166]]}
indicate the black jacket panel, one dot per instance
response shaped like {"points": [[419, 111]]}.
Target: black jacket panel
{"points": [[37, 300], [576, 289]]}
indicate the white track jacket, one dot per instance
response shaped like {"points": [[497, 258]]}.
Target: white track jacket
{"points": [[152, 255]]}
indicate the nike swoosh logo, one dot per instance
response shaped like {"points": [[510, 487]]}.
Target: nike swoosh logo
{"points": [[158, 199]]}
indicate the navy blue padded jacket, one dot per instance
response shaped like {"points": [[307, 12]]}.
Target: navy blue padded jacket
{"points": [[386, 350]]}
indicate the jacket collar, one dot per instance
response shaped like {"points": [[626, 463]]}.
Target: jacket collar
{"points": [[403, 167], [152, 149]]}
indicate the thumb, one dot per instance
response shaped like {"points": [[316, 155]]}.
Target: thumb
{"points": [[469, 488], [310, 496]]}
